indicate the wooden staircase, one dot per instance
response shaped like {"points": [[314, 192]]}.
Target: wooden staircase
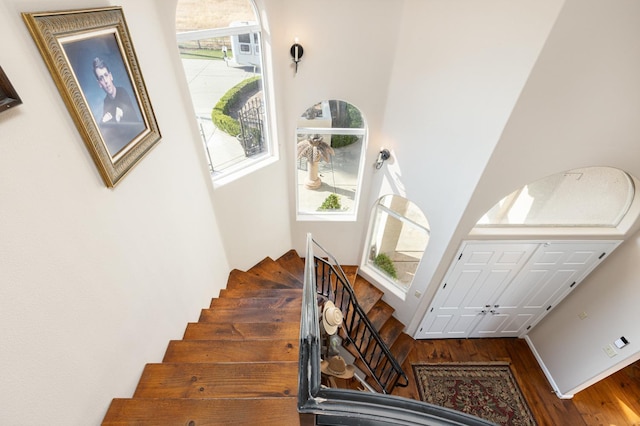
{"points": [[239, 363]]}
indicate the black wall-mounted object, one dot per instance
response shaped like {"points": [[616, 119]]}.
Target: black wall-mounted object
{"points": [[383, 156], [296, 53], [8, 95]]}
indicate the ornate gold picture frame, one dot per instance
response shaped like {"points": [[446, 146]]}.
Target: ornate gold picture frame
{"points": [[92, 61]]}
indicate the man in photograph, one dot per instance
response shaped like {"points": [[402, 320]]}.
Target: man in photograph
{"points": [[120, 122], [117, 105]]}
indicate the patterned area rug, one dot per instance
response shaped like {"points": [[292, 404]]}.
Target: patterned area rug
{"points": [[488, 391]]}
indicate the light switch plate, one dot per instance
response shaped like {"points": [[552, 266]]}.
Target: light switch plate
{"points": [[610, 351]]}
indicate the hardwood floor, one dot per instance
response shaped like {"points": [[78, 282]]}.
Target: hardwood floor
{"points": [[614, 401]]}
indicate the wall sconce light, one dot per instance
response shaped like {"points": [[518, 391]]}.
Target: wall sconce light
{"points": [[383, 156], [296, 52]]}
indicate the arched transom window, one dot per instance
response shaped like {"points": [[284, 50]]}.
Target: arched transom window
{"points": [[586, 197]]}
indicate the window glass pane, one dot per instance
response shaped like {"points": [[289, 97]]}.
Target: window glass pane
{"points": [[589, 197], [329, 151], [224, 73], [399, 237]]}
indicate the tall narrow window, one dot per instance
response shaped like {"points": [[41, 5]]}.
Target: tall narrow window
{"points": [[331, 139], [220, 48], [397, 240]]}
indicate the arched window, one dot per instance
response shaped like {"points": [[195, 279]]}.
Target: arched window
{"points": [[331, 142], [587, 197], [221, 49], [398, 237]]}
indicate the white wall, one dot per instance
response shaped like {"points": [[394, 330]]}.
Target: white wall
{"points": [[579, 108], [459, 69], [349, 49], [571, 349], [94, 282], [254, 211]]}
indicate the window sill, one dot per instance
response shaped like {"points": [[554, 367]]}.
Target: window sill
{"points": [[242, 169], [382, 282], [325, 217]]}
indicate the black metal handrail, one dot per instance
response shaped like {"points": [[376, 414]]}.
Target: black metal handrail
{"points": [[374, 353], [343, 406], [309, 360]]}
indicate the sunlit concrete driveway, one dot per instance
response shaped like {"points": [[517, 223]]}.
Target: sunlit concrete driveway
{"points": [[208, 81]]}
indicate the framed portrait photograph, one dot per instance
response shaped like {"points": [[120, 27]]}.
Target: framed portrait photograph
{"points": [[93, 63], [8, 95]]}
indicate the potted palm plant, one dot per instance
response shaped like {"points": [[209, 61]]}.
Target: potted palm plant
{"points": [[314, 150]]}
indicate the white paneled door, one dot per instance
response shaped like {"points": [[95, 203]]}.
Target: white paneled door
{"points": [[478, 276], [502, 289]]}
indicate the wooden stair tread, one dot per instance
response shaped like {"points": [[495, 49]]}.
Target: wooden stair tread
{"points": [[211, 411], [293, 263], [246, 280], [379, 314], [389, 333], [238, 293], [400, 350], [366, 294], [232, 351], [239, 364], [258, 302], [402, 347], [391, 330], [351, 271], [270, 270], [273, 302], [218, 380], [250, 315], [242, 331]]}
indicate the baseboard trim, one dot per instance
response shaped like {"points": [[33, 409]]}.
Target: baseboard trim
{"points": [[546, 372]]}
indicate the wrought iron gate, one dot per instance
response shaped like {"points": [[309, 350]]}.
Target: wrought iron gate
{"points": [[251, 118]]}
